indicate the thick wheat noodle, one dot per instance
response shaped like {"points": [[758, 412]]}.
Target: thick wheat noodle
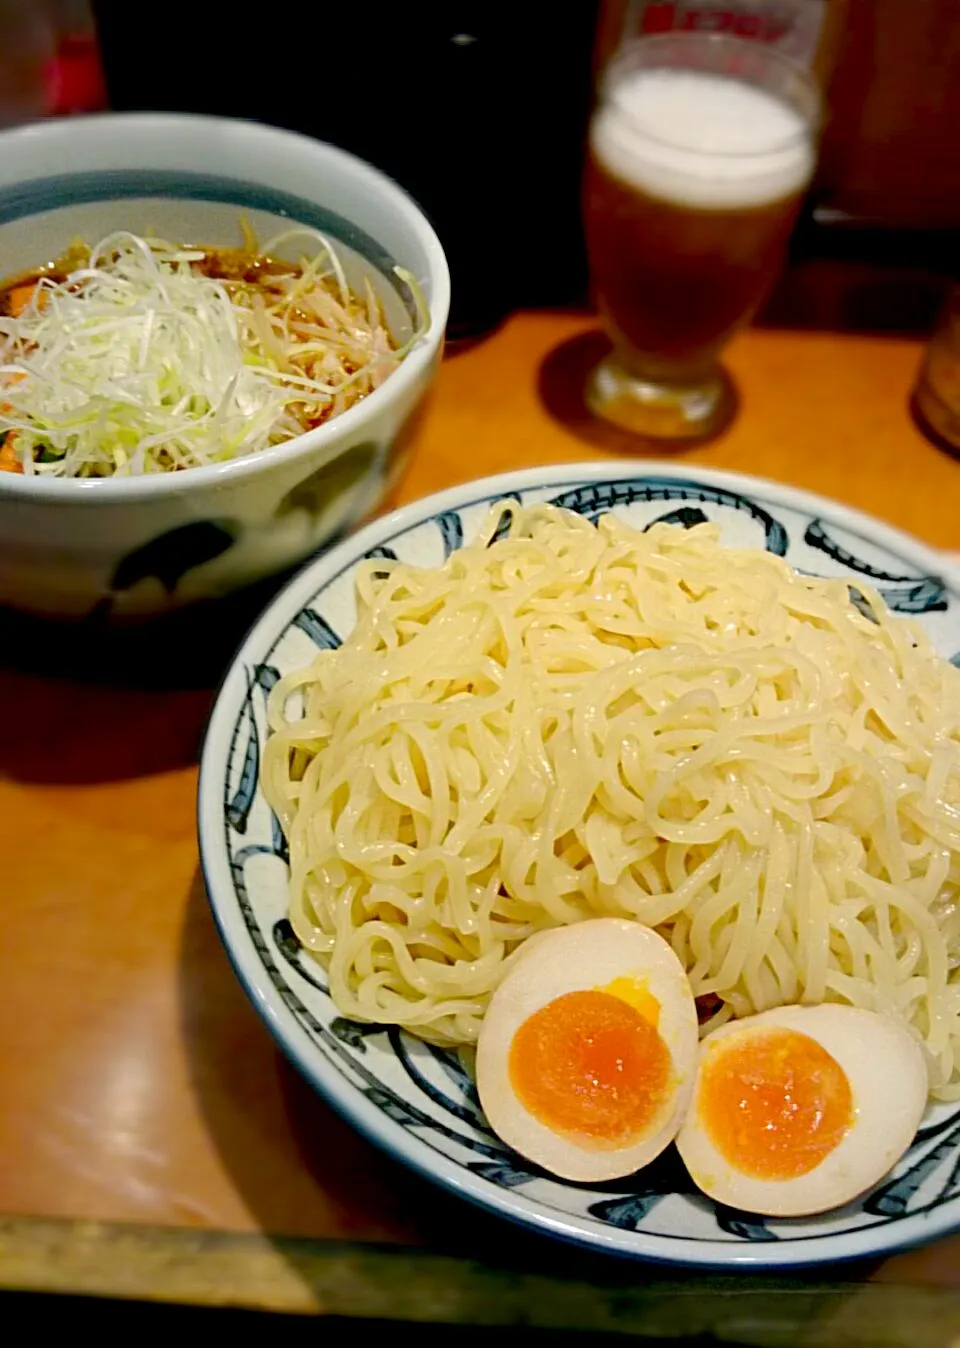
{"points": [[581, 719]]}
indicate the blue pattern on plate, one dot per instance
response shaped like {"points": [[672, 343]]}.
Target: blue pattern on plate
{"points": [[817, 536], [317, 629], [263, 677], [902, 594], [355, 1033], [289, 948], [688, 517], [893, 1198], [461, 1101], [928, 595], [426, 1090], [501, 1173], [626, 1213], [451, 531], [597, 498]]}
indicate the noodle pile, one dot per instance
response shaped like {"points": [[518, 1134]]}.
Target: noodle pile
{"points": [[583, 720]]}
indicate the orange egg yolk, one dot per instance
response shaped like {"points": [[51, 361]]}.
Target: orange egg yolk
{"points": [[774, 1104], [589, 1066]]}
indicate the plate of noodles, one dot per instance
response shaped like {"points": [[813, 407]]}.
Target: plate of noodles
{"points": [[589, 836]]}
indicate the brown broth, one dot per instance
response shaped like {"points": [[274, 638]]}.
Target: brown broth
{"points": [[230, 265]]}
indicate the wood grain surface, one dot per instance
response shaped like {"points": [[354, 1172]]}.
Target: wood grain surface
{"points": [[391, 1285], [138, 1085]]}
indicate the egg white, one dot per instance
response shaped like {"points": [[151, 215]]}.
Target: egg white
{"points": [[887, 1074], [589, 955]]}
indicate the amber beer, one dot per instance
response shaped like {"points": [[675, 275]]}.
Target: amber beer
{"points": [[694, 179]]}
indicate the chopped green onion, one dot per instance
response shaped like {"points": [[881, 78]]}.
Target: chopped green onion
{"points": [[139, 361]]}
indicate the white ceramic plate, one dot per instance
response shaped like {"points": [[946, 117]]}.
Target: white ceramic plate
{"points": [[415, 1100]]}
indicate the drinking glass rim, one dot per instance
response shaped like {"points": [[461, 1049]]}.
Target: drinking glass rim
{"points": [[813, 119]]}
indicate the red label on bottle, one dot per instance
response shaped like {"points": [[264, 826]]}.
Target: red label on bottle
{"points": [[792, 24]]}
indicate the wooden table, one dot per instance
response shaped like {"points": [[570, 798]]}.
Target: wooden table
{"points": [[137, 1085]]}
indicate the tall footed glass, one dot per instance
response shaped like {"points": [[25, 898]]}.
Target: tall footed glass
{"points": [[700, 150]]}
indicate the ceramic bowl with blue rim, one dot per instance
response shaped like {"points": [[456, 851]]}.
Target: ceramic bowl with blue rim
{"points": [[136, 546], [416, 1101]]}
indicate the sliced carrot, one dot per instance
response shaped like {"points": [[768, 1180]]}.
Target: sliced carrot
{"points": [[18, 297], [9, 463]]}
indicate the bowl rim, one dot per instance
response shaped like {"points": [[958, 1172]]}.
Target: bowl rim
{"points": [[285, 1027], [414, 366]]}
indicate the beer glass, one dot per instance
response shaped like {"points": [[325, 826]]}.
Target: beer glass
{"points": [[700, 149]]}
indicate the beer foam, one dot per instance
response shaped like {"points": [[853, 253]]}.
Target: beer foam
{"points": [[702, 140]]}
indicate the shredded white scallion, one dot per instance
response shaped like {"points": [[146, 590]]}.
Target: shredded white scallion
{"points": [[153, 356]]}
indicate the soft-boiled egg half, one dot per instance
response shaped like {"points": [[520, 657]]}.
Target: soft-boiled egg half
{"points": [[588, 1049], [801, 1109]]}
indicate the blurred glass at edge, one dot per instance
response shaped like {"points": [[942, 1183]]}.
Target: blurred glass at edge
{"points": [[477, 109], [48, 60]]}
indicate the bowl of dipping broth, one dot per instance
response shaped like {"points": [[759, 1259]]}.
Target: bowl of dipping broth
{"points": [[216, 339]]}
